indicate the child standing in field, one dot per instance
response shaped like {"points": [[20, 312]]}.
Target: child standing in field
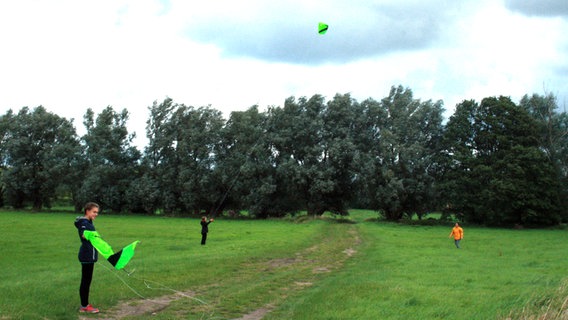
{"points": [[457, 233], [87, 255], [204, 228]]}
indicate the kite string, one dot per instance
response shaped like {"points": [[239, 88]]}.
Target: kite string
{"points": [[126, 284], [237, 176], [163, 287], [146, 283]]}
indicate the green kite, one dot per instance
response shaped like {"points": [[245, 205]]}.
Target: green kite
{"points": [[322, 28], [118, 260]]}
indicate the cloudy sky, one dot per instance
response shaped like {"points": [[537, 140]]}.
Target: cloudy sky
{"points": [[70, 55]]}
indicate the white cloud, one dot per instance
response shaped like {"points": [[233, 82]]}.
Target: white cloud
{"points": [[505, 54], [69, 55], [286, 31]]}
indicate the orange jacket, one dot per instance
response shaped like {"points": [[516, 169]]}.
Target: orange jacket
{"points": [[457, 232]]}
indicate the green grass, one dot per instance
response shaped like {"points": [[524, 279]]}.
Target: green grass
{"points": [[316, 269], [405, 272]]}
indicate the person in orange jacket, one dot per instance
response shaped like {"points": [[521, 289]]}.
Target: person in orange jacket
{"points": [[457, 233]]}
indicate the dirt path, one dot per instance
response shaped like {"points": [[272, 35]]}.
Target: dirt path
{"points": [[141, 306]]}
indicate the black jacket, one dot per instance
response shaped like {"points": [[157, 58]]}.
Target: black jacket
{"points": [[87, 253], [204, 226]]}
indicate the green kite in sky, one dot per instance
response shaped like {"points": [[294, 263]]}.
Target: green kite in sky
{"points": [[118, 260], [322, 28]]}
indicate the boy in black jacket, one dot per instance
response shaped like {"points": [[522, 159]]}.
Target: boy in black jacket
{"points": [[204, 228]]}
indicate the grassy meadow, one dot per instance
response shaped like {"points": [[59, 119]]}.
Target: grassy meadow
{"points": [[282, 269]]}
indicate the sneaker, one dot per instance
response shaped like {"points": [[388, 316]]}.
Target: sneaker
{"points": [[89, 309]]}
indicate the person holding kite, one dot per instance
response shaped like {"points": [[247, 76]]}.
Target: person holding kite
{"points": [[87, 254], [204, 229], [91, 245]]}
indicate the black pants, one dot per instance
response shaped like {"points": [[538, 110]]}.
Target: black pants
{"points": [[86, 278], [203, 237]]}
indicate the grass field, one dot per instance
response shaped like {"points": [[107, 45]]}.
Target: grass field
{"points": [[316, 269]]}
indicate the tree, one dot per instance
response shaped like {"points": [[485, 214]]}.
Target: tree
{"points": [[367, 131], [245, 166], [553, 135], [181, 158], [112, 162], [456, 159], [338, 153], [406, 140], [197, 138], [39, 149], [297, 134], [312, 147], [156, 188], [499, 173], [4, 134]]}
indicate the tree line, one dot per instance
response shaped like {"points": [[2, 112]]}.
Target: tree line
{"points": [[494, 162]]}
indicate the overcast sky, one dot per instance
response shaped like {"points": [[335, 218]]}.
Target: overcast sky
{"points": [[70, 55]]}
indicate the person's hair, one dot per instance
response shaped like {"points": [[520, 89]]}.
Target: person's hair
{"points": [[89, 206]]}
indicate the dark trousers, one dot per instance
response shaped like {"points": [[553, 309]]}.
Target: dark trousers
{"points": [[203, 237], [86, 278]]}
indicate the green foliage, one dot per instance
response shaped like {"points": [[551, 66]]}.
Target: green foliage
{"points": [[156, 188], [196, 143], [181, 158], [246, 166], [297, 135], [494, 162], [39, 151], [313, 149], [552, 131], [496, 172], [398, 169], [111, 160]]}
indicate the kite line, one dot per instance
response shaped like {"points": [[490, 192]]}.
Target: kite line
{"points": [[148, 285], [237, 176]]}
